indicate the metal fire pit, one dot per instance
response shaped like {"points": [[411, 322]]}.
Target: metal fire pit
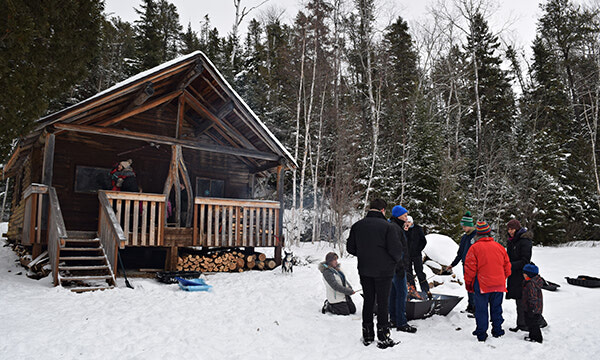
{"points": [[439, 305]]}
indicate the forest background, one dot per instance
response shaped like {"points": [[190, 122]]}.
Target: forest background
{"points": [[443, 117]]}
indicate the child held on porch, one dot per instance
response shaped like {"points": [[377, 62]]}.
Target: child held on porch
{"points": [[123, 177], [533, 302]]}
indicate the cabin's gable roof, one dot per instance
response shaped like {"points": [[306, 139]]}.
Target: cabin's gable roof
{"points": [[195, 90]]}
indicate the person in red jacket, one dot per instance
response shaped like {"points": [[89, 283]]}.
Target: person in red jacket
{"points": [[486, 268]]}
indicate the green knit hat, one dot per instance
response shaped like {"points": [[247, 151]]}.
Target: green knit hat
{"points": [[467, 220]]}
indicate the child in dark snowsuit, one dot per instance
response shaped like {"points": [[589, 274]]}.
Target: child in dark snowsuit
{"points": [[532, 301]]}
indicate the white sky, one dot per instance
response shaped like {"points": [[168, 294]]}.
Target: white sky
{"points": [[518, 16]]}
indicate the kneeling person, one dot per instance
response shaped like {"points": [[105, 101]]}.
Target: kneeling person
{"points": [[338, 288]]}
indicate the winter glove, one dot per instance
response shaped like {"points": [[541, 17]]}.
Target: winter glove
{"points": [[469, 288]]}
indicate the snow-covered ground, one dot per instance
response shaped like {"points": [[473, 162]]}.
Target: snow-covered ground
{"points": [[270, 315]]}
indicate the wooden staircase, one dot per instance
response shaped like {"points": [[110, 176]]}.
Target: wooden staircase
{"points": [[83, 265]]}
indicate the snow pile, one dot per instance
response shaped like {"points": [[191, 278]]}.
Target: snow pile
{"points": [[3, 228], [268, 315], [440, 248]]}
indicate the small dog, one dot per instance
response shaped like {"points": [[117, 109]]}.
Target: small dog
{"points": [[287, 264]]}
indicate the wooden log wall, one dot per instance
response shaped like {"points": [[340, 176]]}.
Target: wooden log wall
{"points": [[15, 223], [225, 261]]}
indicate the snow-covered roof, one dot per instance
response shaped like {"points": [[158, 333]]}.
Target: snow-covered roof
{"points": [[166, 78]]}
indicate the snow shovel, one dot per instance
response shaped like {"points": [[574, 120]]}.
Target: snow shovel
{"points": [[123, 270]]}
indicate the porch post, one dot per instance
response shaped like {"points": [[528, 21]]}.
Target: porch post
{"points": [[47, 173], [280, 172]]}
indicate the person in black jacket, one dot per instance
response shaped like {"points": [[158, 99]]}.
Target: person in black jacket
{"points": [[374, 241], [466, 241], [416, 243], [518, 247], [399, 290]]}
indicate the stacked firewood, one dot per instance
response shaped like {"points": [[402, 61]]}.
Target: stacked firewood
{"points": [[225, 261]]}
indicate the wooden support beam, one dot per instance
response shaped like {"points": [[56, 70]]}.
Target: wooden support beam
{"points": [[191, 75], [48, 166], [143, 95], [168, 141], [226, 110], [188, 188], [265, 167], [140, 109], [203, 110], [180, 116]]}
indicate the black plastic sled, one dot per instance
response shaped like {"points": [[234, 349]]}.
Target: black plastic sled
{"points": [[169, 277], [439, 305], [584, 280], [549, 285]]}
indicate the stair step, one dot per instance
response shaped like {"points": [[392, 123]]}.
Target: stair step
{"points": [[67, 258], [81, 234], [84, 277], [89, 288], [80, 249], [83, 241], [84, 267]]}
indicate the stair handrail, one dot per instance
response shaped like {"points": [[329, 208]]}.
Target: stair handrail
{"points": [[57, 232], [109, 231]]}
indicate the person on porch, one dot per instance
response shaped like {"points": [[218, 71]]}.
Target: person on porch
{"points": [[123, 177]]}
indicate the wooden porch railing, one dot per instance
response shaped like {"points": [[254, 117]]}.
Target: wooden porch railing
{"points": [[32, 217], [109, 231], [140, 216], [57, 233], [233, 223]]}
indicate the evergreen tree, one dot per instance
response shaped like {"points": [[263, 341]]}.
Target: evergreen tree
{"points": [[492, 115], [45, 49], [399, 65], [189, 41], [108, 67], [157, 34], [565, 34]]}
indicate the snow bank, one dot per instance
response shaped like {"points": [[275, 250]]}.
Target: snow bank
{"points": [[580, 243], [440, 248]]}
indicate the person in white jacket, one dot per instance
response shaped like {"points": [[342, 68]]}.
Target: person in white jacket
{"points": [[338, 288]]}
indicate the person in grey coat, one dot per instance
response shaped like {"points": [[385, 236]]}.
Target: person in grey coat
{"points": [[338, 289]]}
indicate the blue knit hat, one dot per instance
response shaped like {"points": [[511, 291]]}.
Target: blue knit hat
{"points": [[398, 211], [531, 270]]}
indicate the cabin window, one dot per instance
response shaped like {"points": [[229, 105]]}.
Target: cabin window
{"points": [[91, 179], [209, 187]]}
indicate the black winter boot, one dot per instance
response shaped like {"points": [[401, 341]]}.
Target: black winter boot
{"points": [[368, 335], [383, 338]]}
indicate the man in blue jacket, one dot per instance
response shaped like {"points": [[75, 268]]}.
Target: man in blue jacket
{"points": [[465, 244], [374, 241]]}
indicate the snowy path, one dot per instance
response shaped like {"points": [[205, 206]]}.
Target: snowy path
{"points": [[268, 315]]}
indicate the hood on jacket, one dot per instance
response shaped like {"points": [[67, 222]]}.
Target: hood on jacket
{"points": [[323, 267]]}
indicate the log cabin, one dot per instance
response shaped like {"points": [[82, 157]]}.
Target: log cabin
{"points": [[187, 132]]}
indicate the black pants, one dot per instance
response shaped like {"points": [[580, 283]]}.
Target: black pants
{"points": [[417, 264], [376, 288], [342, 308], [520, 314], [533, 322]]}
